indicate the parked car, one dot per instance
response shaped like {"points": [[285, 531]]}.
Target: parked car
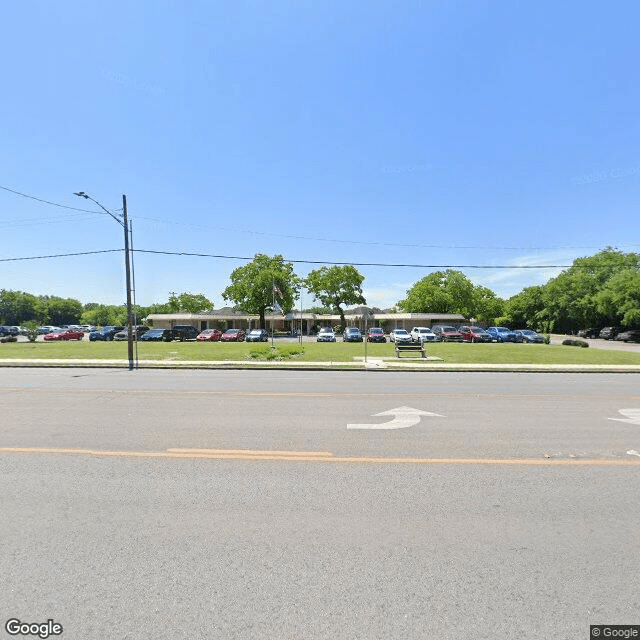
{"points": [[65, 334], [473, 334], [446, 333], [588, 333], [351, 334], [48, 329], [157, 335], [326, 334], [233, 335], [209, 335], [184, 332], [258, 335], [138, 332], [423, 334], [376, 334], [501, 334], [106, 333], [608, 333], [527, 335], [7, 331], [400, 335], [633, 335]]}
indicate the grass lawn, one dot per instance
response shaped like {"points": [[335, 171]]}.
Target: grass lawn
{"points": [[493, 353]]}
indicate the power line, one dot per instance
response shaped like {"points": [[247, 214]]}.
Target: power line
{"points": [[53, 204], [312, 238], [61, 255], [248, 258]]}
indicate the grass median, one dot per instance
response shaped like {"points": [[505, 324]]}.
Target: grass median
{"points": [[453, 353]]}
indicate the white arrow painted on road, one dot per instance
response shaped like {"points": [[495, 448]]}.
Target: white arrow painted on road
{"points": [[632, 416], [404, 417]]}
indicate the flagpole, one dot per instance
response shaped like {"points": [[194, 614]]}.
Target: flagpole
{"points": [[273, 309]]}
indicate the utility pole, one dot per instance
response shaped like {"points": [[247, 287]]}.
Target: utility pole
{"points": [[127, 268], [125, 224]]}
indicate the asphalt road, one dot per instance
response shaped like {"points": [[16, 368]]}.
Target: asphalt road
{"points": [[239, 504]]}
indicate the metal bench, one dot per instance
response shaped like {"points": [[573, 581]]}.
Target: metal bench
{"points": [[410, 348]]}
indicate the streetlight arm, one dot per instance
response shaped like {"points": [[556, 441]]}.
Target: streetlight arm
{"points": [[82, 194]]}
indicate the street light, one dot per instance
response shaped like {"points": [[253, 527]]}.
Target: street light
{"points": [[124, 223]]}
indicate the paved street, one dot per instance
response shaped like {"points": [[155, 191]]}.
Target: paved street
{"points": [[219, 504]]}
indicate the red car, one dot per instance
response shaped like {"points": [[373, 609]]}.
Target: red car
{"points": [[376, 334], [474, 334], [233, 335], [209, 335], [65, 335]]}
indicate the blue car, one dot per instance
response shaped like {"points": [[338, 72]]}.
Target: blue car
{"points": [[502, 334], [106, 333]]}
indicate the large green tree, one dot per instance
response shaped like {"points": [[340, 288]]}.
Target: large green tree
{"points": [[619, 299], [573, 300], [336, 286], [451, 291], [190, 302], [266, 280]]}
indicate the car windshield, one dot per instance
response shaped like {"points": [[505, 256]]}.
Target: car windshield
{"points": [[401, 332], [375, 330], [326, 330], [478, 330], [449, 329]]}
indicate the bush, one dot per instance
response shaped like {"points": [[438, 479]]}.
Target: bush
{"points": [[575, 342], [547, 339], [33, 330]]}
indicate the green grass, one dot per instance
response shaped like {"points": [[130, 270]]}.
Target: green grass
{"points": [[320, 352]]}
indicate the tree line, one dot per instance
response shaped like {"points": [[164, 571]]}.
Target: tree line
{"points": [[603, 289]]}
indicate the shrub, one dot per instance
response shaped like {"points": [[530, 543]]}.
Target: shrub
{"points": [[32, 330], [547, 339], [575, 342]]}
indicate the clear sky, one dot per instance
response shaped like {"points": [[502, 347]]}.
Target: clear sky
{"points": [[432, 132]]}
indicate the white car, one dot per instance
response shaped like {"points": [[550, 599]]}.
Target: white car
{"points": [[423, 334], [326, 334], [400, 335]]}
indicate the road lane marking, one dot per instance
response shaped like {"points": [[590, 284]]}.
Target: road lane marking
{"points": [[320, 456], [404, 417], [632, 416]]}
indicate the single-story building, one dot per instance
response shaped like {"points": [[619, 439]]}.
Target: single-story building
{"points": [[305, 321]]}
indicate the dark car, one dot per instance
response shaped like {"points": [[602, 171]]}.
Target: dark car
{"points": [[446, 333], [106, 333], [501, 334], [157, 335], [527, 335], [376, 334], [608, 333], [233, 335], [473, 334], [257, 335], [633, 335], [351, 334], [588, 333], [184, 332], [137, 333]]}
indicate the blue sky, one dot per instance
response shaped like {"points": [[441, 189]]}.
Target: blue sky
{"points": [[429, 133]]}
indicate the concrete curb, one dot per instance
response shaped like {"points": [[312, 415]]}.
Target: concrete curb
{"points": [[373, 364]]}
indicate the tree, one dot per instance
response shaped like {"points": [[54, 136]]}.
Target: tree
{"points": [[527, 308], [61, 311], [572, 298], [335, 286], [441, 292], [619, 299], [190, 302], [255, 285]]}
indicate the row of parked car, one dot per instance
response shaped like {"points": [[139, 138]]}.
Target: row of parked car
{"points": [[611, 333], [436, 333], [464, 333]]}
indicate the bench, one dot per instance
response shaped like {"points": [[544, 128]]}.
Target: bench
{"points": [[410, 348]]}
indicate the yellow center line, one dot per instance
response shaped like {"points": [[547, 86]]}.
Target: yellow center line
{"points": [[320, 456]]}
